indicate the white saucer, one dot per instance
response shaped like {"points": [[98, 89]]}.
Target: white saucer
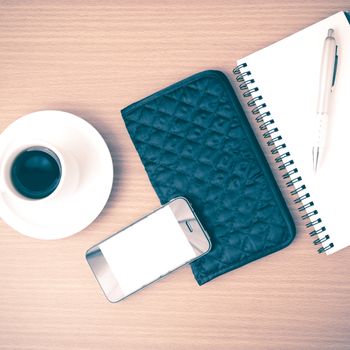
{"points": [[69, 213]]}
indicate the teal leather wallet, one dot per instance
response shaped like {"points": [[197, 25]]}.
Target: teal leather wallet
{"points": [[195, 141]]}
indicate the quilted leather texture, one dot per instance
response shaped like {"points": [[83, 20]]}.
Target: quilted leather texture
{"points": [[194, 141]]}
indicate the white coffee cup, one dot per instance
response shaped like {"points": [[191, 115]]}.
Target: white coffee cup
{"points": [[68, 166]]}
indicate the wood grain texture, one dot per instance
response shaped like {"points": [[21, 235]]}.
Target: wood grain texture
{"points": [[92, 58]]}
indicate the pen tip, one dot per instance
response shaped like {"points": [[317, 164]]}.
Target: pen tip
{"points": [[315, 156], [330, 32]]}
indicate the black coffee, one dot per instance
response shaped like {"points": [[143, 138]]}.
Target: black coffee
{"points": [[36, 172]]}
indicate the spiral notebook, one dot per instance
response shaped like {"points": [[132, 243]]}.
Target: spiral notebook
{"points": [[282, 83]]}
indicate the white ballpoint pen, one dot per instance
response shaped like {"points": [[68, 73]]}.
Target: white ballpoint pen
{"points": [[327, 77]]}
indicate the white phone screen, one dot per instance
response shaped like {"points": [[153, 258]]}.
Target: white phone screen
{"points": [[148, 249]]}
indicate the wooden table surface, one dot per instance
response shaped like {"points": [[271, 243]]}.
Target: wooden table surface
{"points": [[92, 58]]}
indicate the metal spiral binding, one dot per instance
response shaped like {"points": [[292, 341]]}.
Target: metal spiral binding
{"points": [[279, 148]]}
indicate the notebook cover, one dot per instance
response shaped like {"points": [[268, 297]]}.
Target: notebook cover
{"points": [[195, 141]]}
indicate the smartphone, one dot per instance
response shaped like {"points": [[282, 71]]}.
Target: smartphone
{"points": [[148, 249]]}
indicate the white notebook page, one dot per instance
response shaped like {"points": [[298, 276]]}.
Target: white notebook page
{"points": [[287, 75]]}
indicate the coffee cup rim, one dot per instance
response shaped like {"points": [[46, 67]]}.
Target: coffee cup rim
{"points": [[8, 159]]}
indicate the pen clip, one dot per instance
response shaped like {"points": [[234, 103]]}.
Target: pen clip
{"points": [[335, 65]]}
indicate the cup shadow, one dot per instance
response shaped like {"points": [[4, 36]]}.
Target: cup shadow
{"points": [[97, 121]]}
